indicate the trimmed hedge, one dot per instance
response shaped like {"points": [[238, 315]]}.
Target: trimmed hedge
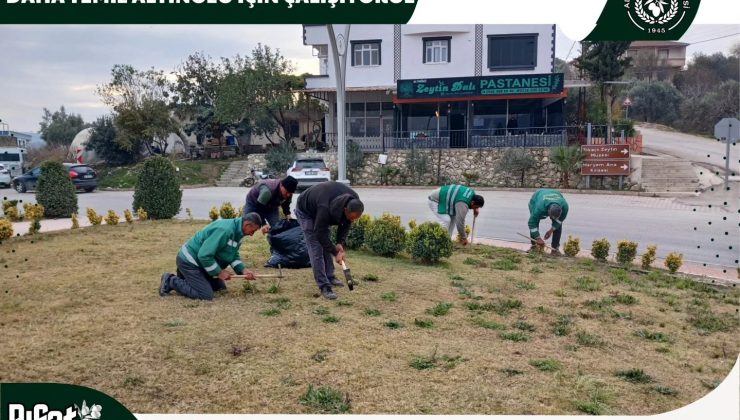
{"points": [[158, 189], [429, 242], [55, 191], [386, 236]]}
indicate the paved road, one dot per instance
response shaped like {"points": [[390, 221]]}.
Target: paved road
{"points": [[693, 148], [663, 221]]}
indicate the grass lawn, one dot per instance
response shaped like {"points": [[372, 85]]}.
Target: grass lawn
{"points": [[191, 173], [491, 331]]}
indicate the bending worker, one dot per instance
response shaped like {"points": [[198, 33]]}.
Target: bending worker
{"points": [[320, 207], [267, 196], [450, 203], [547, 203], [201, 262]]}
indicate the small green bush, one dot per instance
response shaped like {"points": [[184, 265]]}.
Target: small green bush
{"points": [[6, 229], [279, 158], [572, 246], [626, 252], [142, 215], [158, 189], [128, 216], [227, 211], [386, 236], [600, 249], [214, 213], [356, 235], [673, 262], [649, 257], [429, 242], [75, 221], [55, 191], [34, 213]]}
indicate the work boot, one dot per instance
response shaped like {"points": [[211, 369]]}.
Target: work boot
{"points": [[336, 282], [164, 285], [327, 293], [556, 252], [534, 249]]}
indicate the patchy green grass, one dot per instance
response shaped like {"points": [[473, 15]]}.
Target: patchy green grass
{"points": [[270, 312], [325, 400], [546, 365], [389, 297], [587, 284], [475, 371], [423, 362], [393, 325], [371, 278], [330, 319], [516, 337], [440, 309], [636, 376], [190, 173], [654, 336]]}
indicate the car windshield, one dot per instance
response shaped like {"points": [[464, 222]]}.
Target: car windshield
{"points": [[80, 169], [310, 164]]}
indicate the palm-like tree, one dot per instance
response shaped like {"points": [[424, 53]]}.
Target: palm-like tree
{"points": [[568, 159]]}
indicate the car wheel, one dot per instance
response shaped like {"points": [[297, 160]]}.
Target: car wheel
{"points": [[90, 189], [20, 187]]}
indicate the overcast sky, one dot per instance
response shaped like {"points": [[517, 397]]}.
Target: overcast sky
{"points": [[46, 66]]}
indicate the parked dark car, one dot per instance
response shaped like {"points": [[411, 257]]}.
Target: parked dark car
{"points": [[83, 177]]}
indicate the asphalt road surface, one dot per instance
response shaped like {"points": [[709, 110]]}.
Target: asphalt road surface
{"points": [[692, 148], [703, 234]]}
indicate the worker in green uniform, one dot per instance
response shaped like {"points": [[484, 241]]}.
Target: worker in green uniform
{"points": [[450, 203], [543, 204], [201, 262]]}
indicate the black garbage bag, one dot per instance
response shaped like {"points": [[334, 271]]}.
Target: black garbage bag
{"points": [[287, 245]]}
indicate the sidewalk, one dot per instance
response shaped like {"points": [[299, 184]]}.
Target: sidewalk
{"points": [[693, 269]]}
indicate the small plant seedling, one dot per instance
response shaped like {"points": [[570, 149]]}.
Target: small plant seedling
{"points": [[175, 323], [372, 312], [440, 309], [326, 400], [546, 365], [562, 326], [589, 340], [330, 319], [511, 372], [424, 323], [514, 336], [654, 336], [423, 362], [249, 288], [270, 312], [393, 325], [371, 278], [321, 310], [274, 289], [526, 285], [389, 297], [665, 390], [636, 376], [587, 284], [281, 303], [524, 326]]}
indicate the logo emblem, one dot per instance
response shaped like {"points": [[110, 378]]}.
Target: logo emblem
{"points": [[657, 16], [406, 89]]}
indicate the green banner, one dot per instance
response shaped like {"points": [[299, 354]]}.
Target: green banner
{"points": [[644, 20], [58, 401], [460, 87], [206, 11]]}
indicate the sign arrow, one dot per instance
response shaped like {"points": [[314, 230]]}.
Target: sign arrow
{"points": [[625, 152], [624, 167]]}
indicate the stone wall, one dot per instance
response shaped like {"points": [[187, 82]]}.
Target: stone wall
{"points": [[475, 167]]}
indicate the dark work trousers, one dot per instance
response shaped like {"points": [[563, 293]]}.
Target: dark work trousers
{"points": [[322, 262], [194, 282], [555, 237], [271, 216]]}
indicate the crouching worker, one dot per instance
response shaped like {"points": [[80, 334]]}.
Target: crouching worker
{"points": [[265, 198], [450, 203], [543, 204], [201, 262], [320, 207]]}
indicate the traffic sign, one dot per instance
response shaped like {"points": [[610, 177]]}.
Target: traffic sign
{"points": [[606, 151], [614, 167], [627, 102], [727, 129]]}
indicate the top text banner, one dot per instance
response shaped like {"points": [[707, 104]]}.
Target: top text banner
{"points": [[206, 11]]}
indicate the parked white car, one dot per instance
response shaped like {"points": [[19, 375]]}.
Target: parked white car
{"points": [[5, 177], [309, 171]]}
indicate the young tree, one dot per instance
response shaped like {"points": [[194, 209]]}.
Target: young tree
{"points": [[140, 103], [55, 191], [104, 141], [60, 128], [568, 159]]}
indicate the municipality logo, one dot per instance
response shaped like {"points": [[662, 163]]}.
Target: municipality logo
{"points": [[406, 89], [42, 412], [657, 16]]}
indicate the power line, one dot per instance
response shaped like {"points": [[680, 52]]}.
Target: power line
{"points": [[570, 50], [714, 39]]}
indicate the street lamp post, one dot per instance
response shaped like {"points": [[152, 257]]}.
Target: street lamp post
{"points": [[339, 39]]}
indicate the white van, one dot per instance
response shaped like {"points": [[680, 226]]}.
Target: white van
{"points": [[14, 159]]}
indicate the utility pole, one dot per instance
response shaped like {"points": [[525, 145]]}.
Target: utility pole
{"points": [[339, 39]]}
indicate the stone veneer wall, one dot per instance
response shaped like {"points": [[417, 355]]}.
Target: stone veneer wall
{"points": [[450, 165]]}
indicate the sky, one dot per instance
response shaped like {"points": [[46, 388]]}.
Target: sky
{"points": [[46, 66]]}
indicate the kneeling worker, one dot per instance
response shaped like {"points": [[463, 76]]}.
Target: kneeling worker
{"points": [[201, 261], [265, 198], [547, 203], [320, 207], [450, 203]]}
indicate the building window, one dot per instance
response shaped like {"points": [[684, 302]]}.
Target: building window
{"points": [[663, 54], [508, 52], [369, 119], [437, 50], [366, 53]]}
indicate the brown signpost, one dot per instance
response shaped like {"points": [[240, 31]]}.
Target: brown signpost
{"points": [[606, 159]]}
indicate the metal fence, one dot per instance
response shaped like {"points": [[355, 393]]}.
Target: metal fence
{"points": [[477, 138]]}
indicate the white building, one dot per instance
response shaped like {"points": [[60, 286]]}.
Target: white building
{"points": [[455, 85]]}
